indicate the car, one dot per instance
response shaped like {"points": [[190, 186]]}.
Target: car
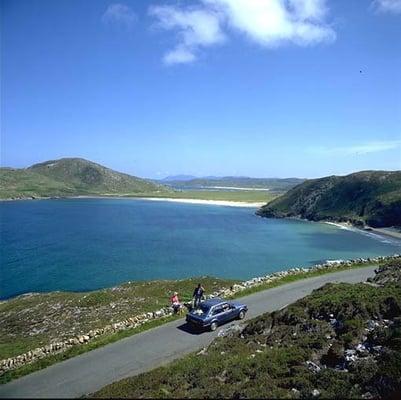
{"points": [[214, 312]]}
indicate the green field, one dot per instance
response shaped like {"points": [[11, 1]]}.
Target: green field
{"points": [[249, 196]]}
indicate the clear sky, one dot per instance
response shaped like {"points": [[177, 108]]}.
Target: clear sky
{"points": [[264, 88]]}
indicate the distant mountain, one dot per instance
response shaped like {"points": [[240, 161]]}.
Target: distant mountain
{"points": [[172, 178], [273, 184], [367, 197], [71, 176]]}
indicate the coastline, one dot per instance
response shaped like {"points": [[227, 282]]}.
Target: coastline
{"points": [[206, 202], [229, 203], [385, 232], [32, 360], [368, 229]]}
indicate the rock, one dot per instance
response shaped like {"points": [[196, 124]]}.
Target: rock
{"points": [[377, 349], [231, 330], [202, 352], [372, 325], [315, 393], [367, 395], [313, 367], [360, 348]]}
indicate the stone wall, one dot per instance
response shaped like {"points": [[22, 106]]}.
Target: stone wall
{"points": [[138, 320]]}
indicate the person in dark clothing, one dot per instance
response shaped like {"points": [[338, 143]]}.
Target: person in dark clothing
{"points": [[198, 294]]}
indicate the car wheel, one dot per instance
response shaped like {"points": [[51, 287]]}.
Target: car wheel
{"points": [[213, 326], [241, 314]]}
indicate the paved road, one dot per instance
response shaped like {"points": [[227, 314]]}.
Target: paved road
{"points": [[91, 371]]}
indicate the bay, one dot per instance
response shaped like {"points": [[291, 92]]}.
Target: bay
{"points": [[87, 244]]}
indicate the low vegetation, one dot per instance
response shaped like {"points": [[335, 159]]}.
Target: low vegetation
{"points": [[78, 177], [342, 341], [272, 184], [71, 177], [35, 320], [249, 196], [369, 197]]}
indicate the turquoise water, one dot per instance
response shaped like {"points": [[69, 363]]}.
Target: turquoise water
{"points": [[86, 244]]}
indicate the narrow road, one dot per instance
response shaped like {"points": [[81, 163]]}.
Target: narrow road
{"points": [[91, 371]]}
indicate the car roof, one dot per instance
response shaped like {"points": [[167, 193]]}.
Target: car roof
{"points": [[214, 302]]}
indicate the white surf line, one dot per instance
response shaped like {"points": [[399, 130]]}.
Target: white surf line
{"points": [[339, 225], [382, 237]]}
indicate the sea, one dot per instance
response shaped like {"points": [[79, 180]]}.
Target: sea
{"points": [[86, 244]]}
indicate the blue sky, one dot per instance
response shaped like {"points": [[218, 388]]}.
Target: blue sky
{"points": [[265, 88]]}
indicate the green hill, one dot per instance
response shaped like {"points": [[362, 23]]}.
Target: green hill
{"points": [[69, 177], [367, 197]]}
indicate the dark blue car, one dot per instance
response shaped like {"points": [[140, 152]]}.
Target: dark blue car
{"points": [[214, 312]]}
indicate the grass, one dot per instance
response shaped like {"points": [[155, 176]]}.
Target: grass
{"points": [[73, 177], [302, 275], [160, 289], [249, 196], [77, 350], [27, 322], [269, 358], [69, 177]]}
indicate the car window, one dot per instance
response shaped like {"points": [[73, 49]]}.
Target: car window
{"points": [[217, 310], [204, 308]]}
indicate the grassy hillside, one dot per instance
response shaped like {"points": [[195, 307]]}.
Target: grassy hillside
{"points": [[342, 341], [368, 197], [273, 184], [71, 176], [87, 176], [22, 183]]}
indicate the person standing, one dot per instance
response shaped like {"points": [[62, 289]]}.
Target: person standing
{"points": [[198, 294], [175, 303]]}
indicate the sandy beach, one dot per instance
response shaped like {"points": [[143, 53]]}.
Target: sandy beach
{"points": [[177, 200], [210, 202], [377, 231], [386, 232]]}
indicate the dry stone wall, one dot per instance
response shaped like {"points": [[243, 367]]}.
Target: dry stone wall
{"points": [[138, 320]]}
